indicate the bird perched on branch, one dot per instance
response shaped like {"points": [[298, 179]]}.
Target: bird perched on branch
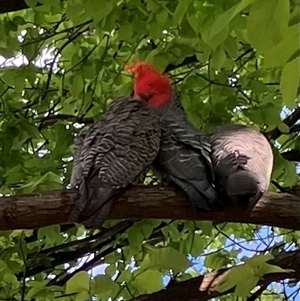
{"points": [[184, 157], [112, 154], [236, 158], [243, 163]]}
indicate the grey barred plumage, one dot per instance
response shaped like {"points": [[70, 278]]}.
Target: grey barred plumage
{"points": [[111, 154], [236, 160], [184, 157], [243, 162]]}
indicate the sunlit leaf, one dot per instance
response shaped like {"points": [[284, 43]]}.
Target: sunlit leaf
{"points": [[289, 82], [80, 282], [267, 23]]}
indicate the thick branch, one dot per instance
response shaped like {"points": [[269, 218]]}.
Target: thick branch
{"points": [[9, 6], [203, 287], [38, 210]]}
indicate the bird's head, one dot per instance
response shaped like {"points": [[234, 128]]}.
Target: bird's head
{"points": [[150, 84]]}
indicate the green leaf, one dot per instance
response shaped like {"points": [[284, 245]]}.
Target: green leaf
{"points": [[165, 258], [31, 3], [48, 181], [289, 82], [171, 230], [9, 76], [242, 278], [206, 227], [213, 40], [75, 11], [180, 11], [217, 260], [49, 232], [77, 85], [98, 9], [80, 282], [148, 282], [257, 260], [103, 285], [223, 20], [11, 279], [34, 292], [271, 268], [162, 18], [283, 128], [83, 296], [19, 20], [268, 20], [278, 55], [290, 174], [135, 237], [125, 276], [218, 59]]}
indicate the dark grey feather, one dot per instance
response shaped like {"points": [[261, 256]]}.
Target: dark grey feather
{"points": [[110, 155], [184, 156]]}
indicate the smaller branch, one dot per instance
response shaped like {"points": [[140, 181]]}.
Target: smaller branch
{"points": [[295, 128], [292, 155], [187, 60], [244, 54], [204, 287], [258, 293], [78, 33], [52, 119], [289, 121]]}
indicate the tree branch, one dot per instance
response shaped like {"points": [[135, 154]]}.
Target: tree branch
{"points": [[7, 6], [52, 119], [292, 155], [43, 209], [289, 121], [203, 287], [187, 60]]}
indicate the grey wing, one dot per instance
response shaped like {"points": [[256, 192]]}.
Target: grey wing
{"points": [[114, 152], [77, 165], [196, 142], [185, 152]]}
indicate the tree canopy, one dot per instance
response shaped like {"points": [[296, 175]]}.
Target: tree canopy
{"points": [[62, 63]]}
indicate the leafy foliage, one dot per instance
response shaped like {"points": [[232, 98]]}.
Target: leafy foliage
{"points": [[62, 64]]}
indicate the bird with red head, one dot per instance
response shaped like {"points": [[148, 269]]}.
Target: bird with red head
{"points": [[184, 155], [151, 84]]}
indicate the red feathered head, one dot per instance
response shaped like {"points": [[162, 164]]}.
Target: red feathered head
{"points": [[151, 84]]}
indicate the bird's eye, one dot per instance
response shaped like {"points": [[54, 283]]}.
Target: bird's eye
{"points": [[150, 96]]}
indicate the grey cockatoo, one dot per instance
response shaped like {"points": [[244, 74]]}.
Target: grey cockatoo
{"points": [[112, 154], [243, 162], [184, 156], [234, 159]]}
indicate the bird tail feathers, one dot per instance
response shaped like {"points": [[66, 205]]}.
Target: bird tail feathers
{"points": [[93, 205], [240, 186]]}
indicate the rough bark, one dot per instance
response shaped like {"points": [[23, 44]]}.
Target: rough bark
{"points": [[7, 6], [42, 209], [203, 287]]}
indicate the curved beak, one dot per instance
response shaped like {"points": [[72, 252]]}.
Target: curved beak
{"points": [[136, 96]]}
